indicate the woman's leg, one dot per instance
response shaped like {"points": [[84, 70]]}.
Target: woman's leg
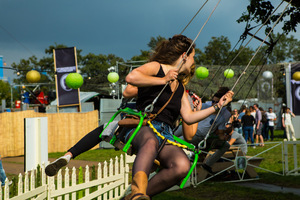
{"points": [[272, 132], [2, 174], [246, 133], [146, 145], [292, 132], [86, 143], [251, 134], [287, 130], [174, 167]]}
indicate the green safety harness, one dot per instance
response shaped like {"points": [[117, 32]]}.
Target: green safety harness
{"points": [[179, 142]]}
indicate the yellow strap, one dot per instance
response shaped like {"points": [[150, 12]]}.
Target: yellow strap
{"points": [[162, 137]]}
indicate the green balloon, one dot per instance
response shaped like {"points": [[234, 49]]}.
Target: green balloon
{"points": [[74, 80], [113, 77], [228, 73], [202, 73]]}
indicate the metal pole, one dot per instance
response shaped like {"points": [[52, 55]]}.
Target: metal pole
{"points": [[272, 87], [11, 96], [117, 71]]}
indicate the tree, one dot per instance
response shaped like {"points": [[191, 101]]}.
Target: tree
{"points": [[155, 41], [95, 71], [217, 51], [5, 91], [258, 11], [44, 65]]}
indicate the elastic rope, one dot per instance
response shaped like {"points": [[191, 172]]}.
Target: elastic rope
{"points": [[193, 17], [149, 108], [209, 131]]}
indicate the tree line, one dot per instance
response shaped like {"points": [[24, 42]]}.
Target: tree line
{"points": [[216, 56]]}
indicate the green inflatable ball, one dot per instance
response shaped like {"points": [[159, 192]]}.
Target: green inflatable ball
{"points": [[113, 77], [74, 80], [202, 73], [228, 73]]}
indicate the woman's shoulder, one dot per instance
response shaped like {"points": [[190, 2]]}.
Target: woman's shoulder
{"points": [[152, 64], [150, 68]]}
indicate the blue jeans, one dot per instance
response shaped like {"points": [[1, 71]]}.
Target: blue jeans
{"points": [[239, 130], [161, 127], [2, 174], [248, 131]]}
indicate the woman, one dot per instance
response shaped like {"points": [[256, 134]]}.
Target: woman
{"points": [[288, 125], [248, 121], [150, 79], [235, 121]]}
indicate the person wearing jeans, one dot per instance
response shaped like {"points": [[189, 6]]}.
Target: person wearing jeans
{"points": [[248, 121], [271, 116], [2, 174]]}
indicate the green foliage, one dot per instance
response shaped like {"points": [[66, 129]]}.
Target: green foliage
{"points": [[217, 55], [155, 41], [217, 51], [5, 92], [80, 180], [258, 12]]}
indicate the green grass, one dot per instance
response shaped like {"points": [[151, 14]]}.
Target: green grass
{"points": [[99, 155]]}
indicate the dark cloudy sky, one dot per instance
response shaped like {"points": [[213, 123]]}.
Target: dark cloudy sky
{"points": [[120, 27]]}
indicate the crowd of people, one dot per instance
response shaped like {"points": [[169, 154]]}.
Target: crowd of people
{"points": [[258, 125]]}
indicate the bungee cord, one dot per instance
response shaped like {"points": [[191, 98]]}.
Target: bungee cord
{"points": [[243, 38], [202, 144], [193, 17], [150, 107]]}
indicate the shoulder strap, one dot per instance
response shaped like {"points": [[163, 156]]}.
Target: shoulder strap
{"points": [[161, 109]]}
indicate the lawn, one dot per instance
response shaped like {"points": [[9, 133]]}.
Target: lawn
{"points": [[215, 189]]}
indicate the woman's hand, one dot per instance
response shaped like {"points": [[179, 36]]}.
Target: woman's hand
{"points": [[197, 104], [226, 99], [171, 75]]}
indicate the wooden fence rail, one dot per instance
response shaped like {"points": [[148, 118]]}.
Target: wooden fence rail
{"points": [[109, 184]]}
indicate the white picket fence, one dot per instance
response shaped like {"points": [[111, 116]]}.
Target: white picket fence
{"points": [[111, 183]]}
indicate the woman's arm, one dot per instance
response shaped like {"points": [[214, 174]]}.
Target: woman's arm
{"points": [[144, 75], [189, 131], [292, 114], [191, 117], [283, 120], [130, 91]]}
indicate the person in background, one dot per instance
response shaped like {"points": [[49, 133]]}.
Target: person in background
{"points": [[258, 126], [195, 133], [248, 121], [264, 121], [271, 117], [2, 174], [235, 122], [242, 112], [287, 123], [234, 138]]}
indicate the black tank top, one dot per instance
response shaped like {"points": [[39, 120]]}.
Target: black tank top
{"points": [[146, 95]]}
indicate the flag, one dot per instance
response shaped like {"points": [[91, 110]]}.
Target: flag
{"points": [[65, 62], [295, 90]]}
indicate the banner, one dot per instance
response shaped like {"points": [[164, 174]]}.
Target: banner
{"points": [[1, 67], [65, 62], [295, 90]]}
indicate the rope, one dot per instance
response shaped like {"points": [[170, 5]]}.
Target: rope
{"points": [[203, 142], [162, 137], [193, 17], [198, 34], [150, 107]]}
